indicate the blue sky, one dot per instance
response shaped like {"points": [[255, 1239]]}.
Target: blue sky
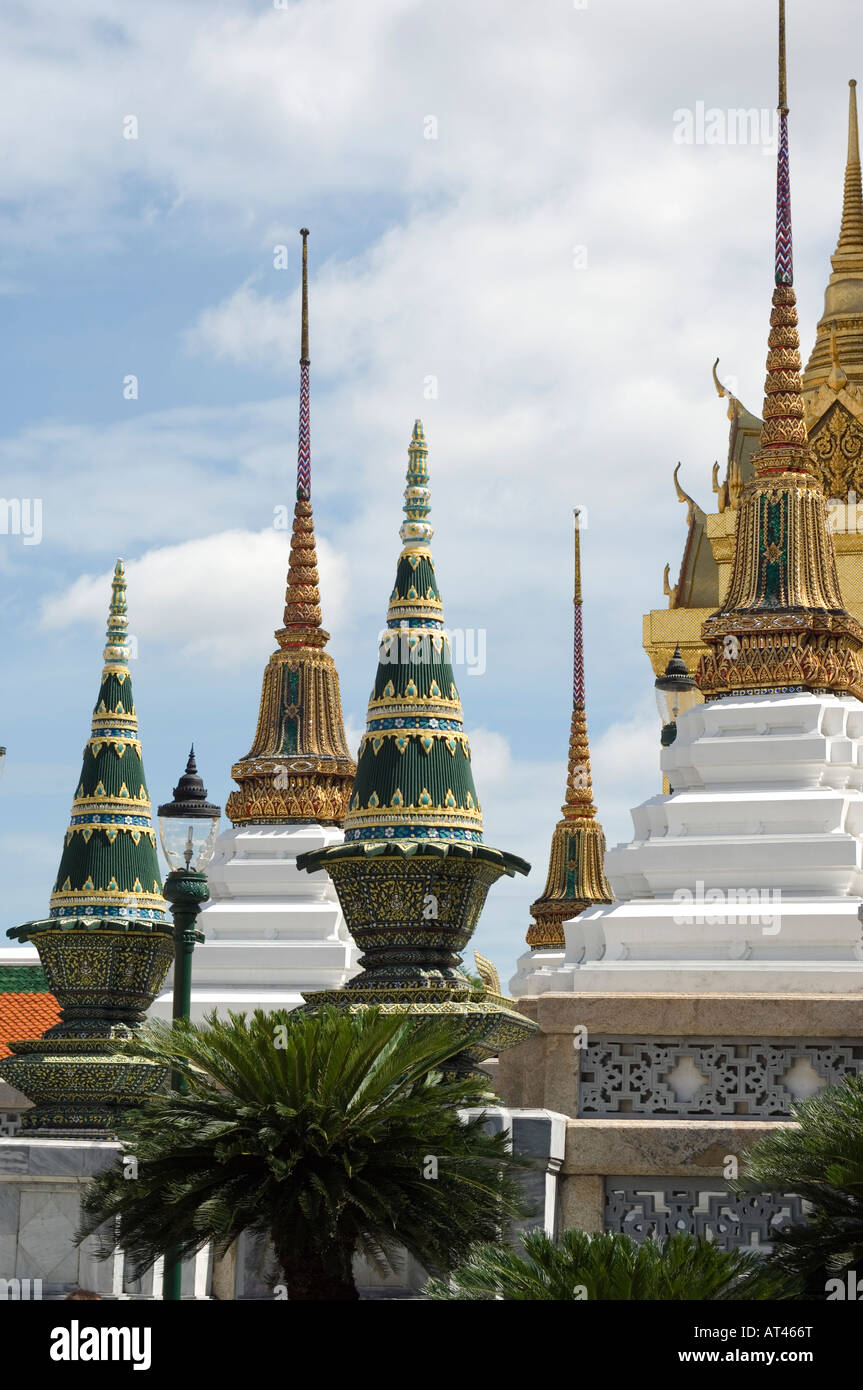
{"points": [[563, 378]]}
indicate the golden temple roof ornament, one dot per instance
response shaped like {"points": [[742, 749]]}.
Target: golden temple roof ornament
{"points": [[576, 873], [783, 626], [692, 506], [842, 321], [299, 767]]}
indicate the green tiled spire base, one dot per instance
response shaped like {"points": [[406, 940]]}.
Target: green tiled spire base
{"points": [[411, 909], [78, 1094], [105, 974], [108, 943], [413, 873]]}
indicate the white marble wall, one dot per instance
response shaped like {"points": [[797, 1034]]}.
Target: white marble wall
{"points": [[41, 1184]]}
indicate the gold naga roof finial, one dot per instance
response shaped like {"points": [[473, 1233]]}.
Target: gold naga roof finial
{"points": [[682, 496], [722, 390], [783, 612], [576, 869], [487, 972]]}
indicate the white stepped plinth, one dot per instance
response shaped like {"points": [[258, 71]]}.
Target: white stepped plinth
{"points": [[748, 877], [272, 931]]}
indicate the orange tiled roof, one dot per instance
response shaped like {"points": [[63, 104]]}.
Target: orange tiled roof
{"points": [[25, 1016]]}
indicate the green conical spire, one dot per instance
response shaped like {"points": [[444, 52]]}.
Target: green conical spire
{"points": [[109, 866], [414, 779]]}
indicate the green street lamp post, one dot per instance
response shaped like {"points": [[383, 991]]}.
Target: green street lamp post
{"points": [[188, 825]]}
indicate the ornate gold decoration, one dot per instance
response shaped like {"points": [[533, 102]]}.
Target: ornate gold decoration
{"points": [[576, 872], [840, 330], [834, 423], [487, 972], [299, 767], [837, 453], [105, 976], [682, 496], [783, 625], [312, 781], [411, 914]]}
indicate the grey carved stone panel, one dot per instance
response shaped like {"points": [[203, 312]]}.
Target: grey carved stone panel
{"points": [[694, 1078], [647, 1207]]}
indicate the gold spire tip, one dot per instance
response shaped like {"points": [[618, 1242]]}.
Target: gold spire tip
{"points": [[853, 133]]}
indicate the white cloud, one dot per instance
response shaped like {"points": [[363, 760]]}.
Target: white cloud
{"points": [[213, 600], [491, 758], [449, 258], [625, 766]]}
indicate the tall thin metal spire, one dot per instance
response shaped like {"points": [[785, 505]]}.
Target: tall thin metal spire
{"points": [[784, 427], [782, 626], [576, 874], [837, 356], [577, 639], [302, 599], [299, 767], [850, 244], [784, 257], [304, 450], [783, 96]]}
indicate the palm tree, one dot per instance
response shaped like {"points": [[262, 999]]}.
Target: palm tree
{"points": [[334, 1134], [821, 1160], [610, 1266]]}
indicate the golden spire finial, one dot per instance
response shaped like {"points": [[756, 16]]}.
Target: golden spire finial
{"points": [[783, 626], [302, 620], [299, 767], [576, 872], [849, 248], [783, 433], [843, 301], [117, 649]]}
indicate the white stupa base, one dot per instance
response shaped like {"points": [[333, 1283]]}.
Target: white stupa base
{"points": [[539, 972], [748, 877], [19, 955], [272, 931]]}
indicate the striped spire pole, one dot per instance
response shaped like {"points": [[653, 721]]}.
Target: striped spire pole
{"points": [[784, 430], [577, 637], [304, 450], [784, 260]]}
